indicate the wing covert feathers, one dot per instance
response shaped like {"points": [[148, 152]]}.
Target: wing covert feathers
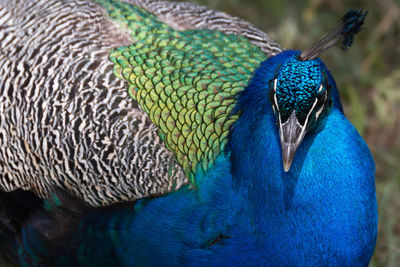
{"points": [[187, 81]]}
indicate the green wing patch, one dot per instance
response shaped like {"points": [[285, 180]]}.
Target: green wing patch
{"points": [[185, 80]]}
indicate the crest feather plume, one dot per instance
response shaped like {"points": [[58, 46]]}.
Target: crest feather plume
{"points": [[348, 26]]}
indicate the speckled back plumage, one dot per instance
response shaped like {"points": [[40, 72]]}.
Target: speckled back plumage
{"points": [[66, 120]]}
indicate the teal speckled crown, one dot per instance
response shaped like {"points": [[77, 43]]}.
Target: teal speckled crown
{"points": [[297, 85]]}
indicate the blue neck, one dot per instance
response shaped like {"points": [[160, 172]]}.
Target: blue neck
{"points": [[327, 199]]}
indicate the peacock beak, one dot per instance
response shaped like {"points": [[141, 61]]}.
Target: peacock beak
{"points": [[291, 134]]}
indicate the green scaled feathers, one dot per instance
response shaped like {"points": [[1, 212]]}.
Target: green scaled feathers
{"points": [[186, 81]]}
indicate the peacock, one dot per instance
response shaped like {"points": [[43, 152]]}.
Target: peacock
{"points": [[156, 133]]}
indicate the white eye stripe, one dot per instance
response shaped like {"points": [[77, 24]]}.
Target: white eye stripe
{"points": [[318, 112], [275, 83], [309, 113], [276, 102], [320, 88]]}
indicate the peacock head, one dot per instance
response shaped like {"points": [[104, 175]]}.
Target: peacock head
{"points": [[300, 92], [300, 98]]}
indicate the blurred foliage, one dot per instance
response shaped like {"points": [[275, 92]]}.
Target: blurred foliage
{"points": [[367, 75]]}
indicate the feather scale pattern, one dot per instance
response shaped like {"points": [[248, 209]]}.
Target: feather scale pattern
{"points": [[186, 81]]}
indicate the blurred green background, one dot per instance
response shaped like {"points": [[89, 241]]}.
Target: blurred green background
{"points": [[367, 75]]}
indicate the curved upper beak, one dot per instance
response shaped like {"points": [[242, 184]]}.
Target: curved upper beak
{"points": [[291, 134]]}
